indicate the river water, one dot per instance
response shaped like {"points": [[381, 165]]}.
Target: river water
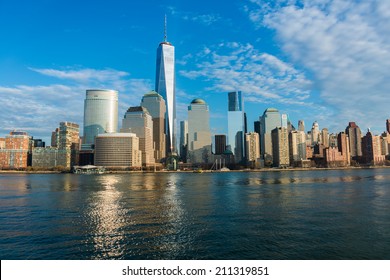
{"points": [[330, 214]]}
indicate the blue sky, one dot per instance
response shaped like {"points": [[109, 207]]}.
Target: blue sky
{"points": [[314, 60]]}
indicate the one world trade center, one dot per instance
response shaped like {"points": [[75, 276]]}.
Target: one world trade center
{"points": [[165, 86]]}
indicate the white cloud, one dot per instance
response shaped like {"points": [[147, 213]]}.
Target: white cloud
{"points": [[205, 19], [345, 45], [263, 77], [39, 109]]}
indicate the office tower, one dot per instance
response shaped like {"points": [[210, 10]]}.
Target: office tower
{"points": [[16, 150], [371, 149], [220, 144], [268, 121], [183, 140], [355, 140], [165, 86], [118, 150], [388, 125], [343, 146], [315, 133], [100, 115], [199, 136], [301, 125], [281, 154], [297, 146], [252, 149], [325, 137], [138, 120], [155, 105], [236, 124]]}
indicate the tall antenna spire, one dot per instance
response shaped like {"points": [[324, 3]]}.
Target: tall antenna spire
{"points": [[165, 28]]}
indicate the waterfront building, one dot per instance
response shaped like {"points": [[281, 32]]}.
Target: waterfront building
{"points": [[138, 120], [280, 147], [165, 86], [333, 157], [100, 115], [252, 149], [371, 149], [268, 122], [343, 146], [301, 125], [16, 150], [220, 144], [49, 157], [236, 124], [2, 143], [55, 137], [199, 135], [325, 137], [183, 140], [384, 138], [118, 150], [315, 133], [155, 105], [355, 140], [297, 146]]}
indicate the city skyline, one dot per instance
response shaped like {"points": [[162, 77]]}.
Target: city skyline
{"points": [[325, 63]]}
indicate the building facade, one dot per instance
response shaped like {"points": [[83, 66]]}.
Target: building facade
{"points": [[118, 150], [183, 140], [138, 120], [355, 140], [16, 151], [199, 135], [236, 124], [281, 153], [165, 86], [100, 115], [220, 144], [155, 105], [268, 122], [252, 149]]}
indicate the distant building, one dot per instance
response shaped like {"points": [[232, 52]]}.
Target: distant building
{"points": [[371, 148], [118, 150], [199, 135], [388, 125], [220, 144], [355, 140], [325, 137], [343, 146], [297, 146], [281, 154], [100, 115], [138, 120], [268, 122], [155, 105], [69, 140], [236, 124], [252, 149], [315, 134], [183, 140], [49, 157], [14, 155], [334, 158], [301, 125]]}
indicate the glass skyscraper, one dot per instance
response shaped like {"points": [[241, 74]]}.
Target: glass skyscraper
{"points": [[236, 124], [165, 86], [100, 115]]}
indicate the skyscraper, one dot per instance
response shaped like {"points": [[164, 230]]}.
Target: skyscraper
{"points": [[236, 124], [138, 120], [301, 125], [100, 115], [268, 121], [280, 147], [183, 140], [165, 86], [199, 135], [155, 105], [355, 140], [220, 144]]}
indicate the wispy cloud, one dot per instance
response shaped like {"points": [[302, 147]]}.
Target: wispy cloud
{"points": [[263, 77], [345, 45], [205, 19], [39, 109]]}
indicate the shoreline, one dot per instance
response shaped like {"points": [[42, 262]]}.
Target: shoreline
{"points": [[203, 171]]}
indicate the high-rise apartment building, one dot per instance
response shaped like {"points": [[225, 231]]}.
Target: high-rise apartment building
{"points": [[325, 137], [165, 86], [371, 149], [268, 122], [301, 125], [343, 146], [100, 115], [199, 135], [355, 140], [315, 134], [16, 150], [68, 140], [155, 105], [252, 149], [297, 146], [280, 147], [138, 120], [236, 124]]}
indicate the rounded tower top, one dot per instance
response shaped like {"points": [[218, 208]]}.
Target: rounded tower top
{"points": [[198, 101]]}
